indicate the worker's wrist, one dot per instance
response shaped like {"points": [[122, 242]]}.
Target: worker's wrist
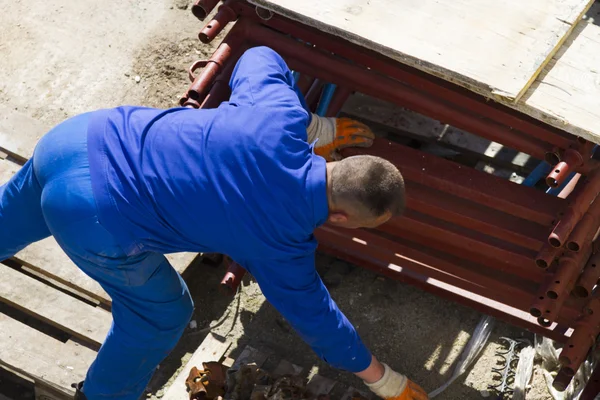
{"points": [[391, 384], [373, 373], [321, 129]]}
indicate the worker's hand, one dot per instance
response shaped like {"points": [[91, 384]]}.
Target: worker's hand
{"points": [[334, 134], [395, 386]]}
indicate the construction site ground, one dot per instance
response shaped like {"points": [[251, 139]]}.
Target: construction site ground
{"points": [[60, 58]]}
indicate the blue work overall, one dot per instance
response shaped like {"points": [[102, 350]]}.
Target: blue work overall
{"points": [[119, 188]]}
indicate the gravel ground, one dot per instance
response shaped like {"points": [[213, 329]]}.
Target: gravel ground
{"points": [[60, 58]]}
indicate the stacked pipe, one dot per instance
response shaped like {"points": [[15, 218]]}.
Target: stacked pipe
{"points": [[472, 237]]}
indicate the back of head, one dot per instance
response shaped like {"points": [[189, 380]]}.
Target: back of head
{"points": [[368, 189]]}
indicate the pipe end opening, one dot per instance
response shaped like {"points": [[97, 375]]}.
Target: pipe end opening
{"points": [[541, 263], [554, 242]]}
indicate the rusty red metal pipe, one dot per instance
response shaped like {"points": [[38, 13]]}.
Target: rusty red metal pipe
{"points": [[224, 16], [567, 272], [232, 279], [571, 161], [202, 83], [578, 207], [548, 255], [201, 8], [464, 243], [586, 229], [583, 338], [588, 278]]}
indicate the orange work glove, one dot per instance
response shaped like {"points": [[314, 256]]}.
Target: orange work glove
{"points": [[334, 134], [395, 386]]}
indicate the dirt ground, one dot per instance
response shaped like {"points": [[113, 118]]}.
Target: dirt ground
{"points": [[63, 57]]}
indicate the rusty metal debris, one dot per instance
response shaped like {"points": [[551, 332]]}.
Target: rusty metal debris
{"points": [[248, 382], [208, 383]]}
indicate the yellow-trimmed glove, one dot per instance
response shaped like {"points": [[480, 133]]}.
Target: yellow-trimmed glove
{"points": [[395, 386], [334, 134]]}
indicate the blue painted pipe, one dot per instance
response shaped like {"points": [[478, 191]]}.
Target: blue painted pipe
{"points": [[539, 172], [326, 97]]}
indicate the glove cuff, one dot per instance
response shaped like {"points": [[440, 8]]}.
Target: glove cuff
{"points": [[321, 129], [391, 384]]}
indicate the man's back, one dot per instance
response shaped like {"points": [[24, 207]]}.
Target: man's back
{"points": [[240, 179]]}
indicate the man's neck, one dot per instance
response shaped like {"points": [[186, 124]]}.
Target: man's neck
{"points": [[329, 169]]}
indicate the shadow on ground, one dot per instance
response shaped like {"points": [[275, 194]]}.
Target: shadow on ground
{"points": [[414, 332]]}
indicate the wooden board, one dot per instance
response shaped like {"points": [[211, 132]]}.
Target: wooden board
{"points": [[567, 93], [43, 359], [46, 257], [54, 307], [493, 47], [212, 349]]}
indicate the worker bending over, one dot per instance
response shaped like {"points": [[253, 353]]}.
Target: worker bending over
{"points": [[119, 188]]}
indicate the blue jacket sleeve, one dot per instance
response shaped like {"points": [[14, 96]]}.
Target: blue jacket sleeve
{"points": [[261, 77], [297, 292]]}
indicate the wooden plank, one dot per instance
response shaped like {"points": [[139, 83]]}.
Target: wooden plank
{"points": [[19, 133], [45, 360], [212, 349], [46, 257], [494, 47], [89, 323], [567, 93]]}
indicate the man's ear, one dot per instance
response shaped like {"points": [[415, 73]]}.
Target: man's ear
{"points": [[337, 218]]}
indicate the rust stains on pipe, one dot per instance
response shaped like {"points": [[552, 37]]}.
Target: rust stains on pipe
{"points": [[571, 161], [232, 279], [224, 16], [203, 82], [583, 338], [588, 278], [579, 206], [567, 272], [586, 228], [201, 8], [548, 255]]}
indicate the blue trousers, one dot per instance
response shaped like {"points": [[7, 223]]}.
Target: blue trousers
{"points": [[151, 305]]}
